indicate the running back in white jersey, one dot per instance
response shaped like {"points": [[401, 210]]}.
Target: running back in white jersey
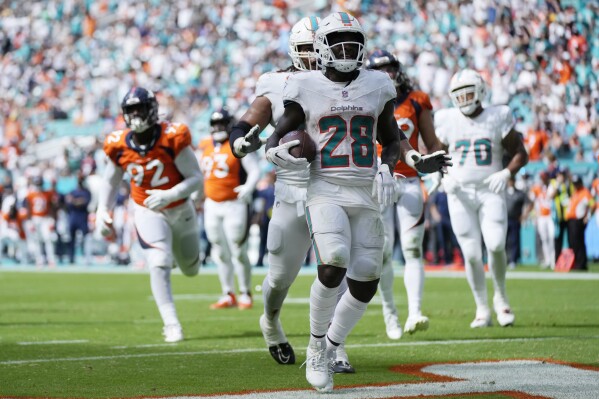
{"points": [[342, 119], [474, 143], [270, 85]]}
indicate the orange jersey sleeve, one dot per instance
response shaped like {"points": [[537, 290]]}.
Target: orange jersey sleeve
{"points": [[407, 114], [153, 168], [222, 170]]}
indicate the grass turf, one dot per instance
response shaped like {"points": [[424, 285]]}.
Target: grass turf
{"points": [[109, 343]]}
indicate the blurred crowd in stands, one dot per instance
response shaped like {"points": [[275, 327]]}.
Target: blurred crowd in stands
{"points": [[72, 61]]}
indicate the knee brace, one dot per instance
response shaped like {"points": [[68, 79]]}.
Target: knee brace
{"points": [[330, 276], [363, 291]]}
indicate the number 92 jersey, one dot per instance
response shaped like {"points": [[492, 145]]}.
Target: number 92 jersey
{"points": [[155, 168], [474, 143], [342, 119]]}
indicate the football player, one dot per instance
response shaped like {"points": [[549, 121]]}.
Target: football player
{"points": [[288, 238], [229, 184], [41, 208], [160, 163], [477, 138], [345, 110], [288, 235], [414, 118]]}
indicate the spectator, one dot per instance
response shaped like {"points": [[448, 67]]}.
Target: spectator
{"points": [[560, 190], [77, 202], [577, 216], [518, 208]]}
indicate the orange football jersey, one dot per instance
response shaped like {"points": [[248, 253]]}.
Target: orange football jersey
{"points": [[153, 168], [40, 202], [407, 114], [222, 170]]}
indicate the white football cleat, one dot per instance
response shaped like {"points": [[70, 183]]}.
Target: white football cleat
{"points": [[482, 319], [505, 316], [416, 323], [392, 327], [319, 365], [172, 333], [245, 301]]}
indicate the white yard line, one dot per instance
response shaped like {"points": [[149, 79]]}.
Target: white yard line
{"points": [[73, 341], [250, 350], [309, 271]]}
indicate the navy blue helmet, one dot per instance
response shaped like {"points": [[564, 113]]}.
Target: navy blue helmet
{"points": [[140, 109], [380, 59]]}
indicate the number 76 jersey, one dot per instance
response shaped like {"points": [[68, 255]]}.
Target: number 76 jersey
{"points": [[153, 168], [474, 143]]}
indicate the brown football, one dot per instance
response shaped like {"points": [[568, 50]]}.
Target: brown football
{"points": [[306, 147]]}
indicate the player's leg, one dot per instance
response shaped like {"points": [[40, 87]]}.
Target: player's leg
{"points": [[155, 237], [35, 240], [493, 222], [48, 232], [464, 220], [186, 243], [331, 233], [410, 213], [288, 241], [390, 316], [235, 225], [213, 224]]}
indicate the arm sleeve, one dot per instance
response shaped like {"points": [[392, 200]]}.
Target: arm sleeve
{"points": [[252, 168], [507, 121], [187, 163], [181, 139], [109, 186]]}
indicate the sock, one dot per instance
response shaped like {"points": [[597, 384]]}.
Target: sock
{"points": [[322, 307], [347, 314], [273, 299], [414, 283], [498, 267], [386, 291], [160, 282], [475, 273]]}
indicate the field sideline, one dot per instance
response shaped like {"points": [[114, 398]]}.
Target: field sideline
{"points": [[95, 333]]}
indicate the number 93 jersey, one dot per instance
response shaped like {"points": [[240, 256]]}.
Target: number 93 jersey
{"points": [[153, 168], [474, 143], [342, 119]]}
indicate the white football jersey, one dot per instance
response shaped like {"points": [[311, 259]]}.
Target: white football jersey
{"points": [[270, 85], [474, 143], [342, 120]]}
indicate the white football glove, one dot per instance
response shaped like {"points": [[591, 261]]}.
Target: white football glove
{"points": [[384, 186], [436, 162], [435, 182], [244, 193], [104, 226], [250, 142], [280, 156], [498, 181], [158, 199]]}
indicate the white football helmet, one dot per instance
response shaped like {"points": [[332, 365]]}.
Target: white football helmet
{"points": [[335, 23], [463, 83], [303, 33]]}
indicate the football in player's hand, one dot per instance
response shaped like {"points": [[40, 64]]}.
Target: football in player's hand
{"points": [[306, 147]]}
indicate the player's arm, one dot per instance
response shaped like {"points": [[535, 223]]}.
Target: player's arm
{"points": [[394, 142], [108, 190], [292, 119], [514, 146], [187, 164], [252, 167], [427, 132], [255, 119]]}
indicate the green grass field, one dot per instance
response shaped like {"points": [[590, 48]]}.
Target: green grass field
{"points": [[95, 335]]}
